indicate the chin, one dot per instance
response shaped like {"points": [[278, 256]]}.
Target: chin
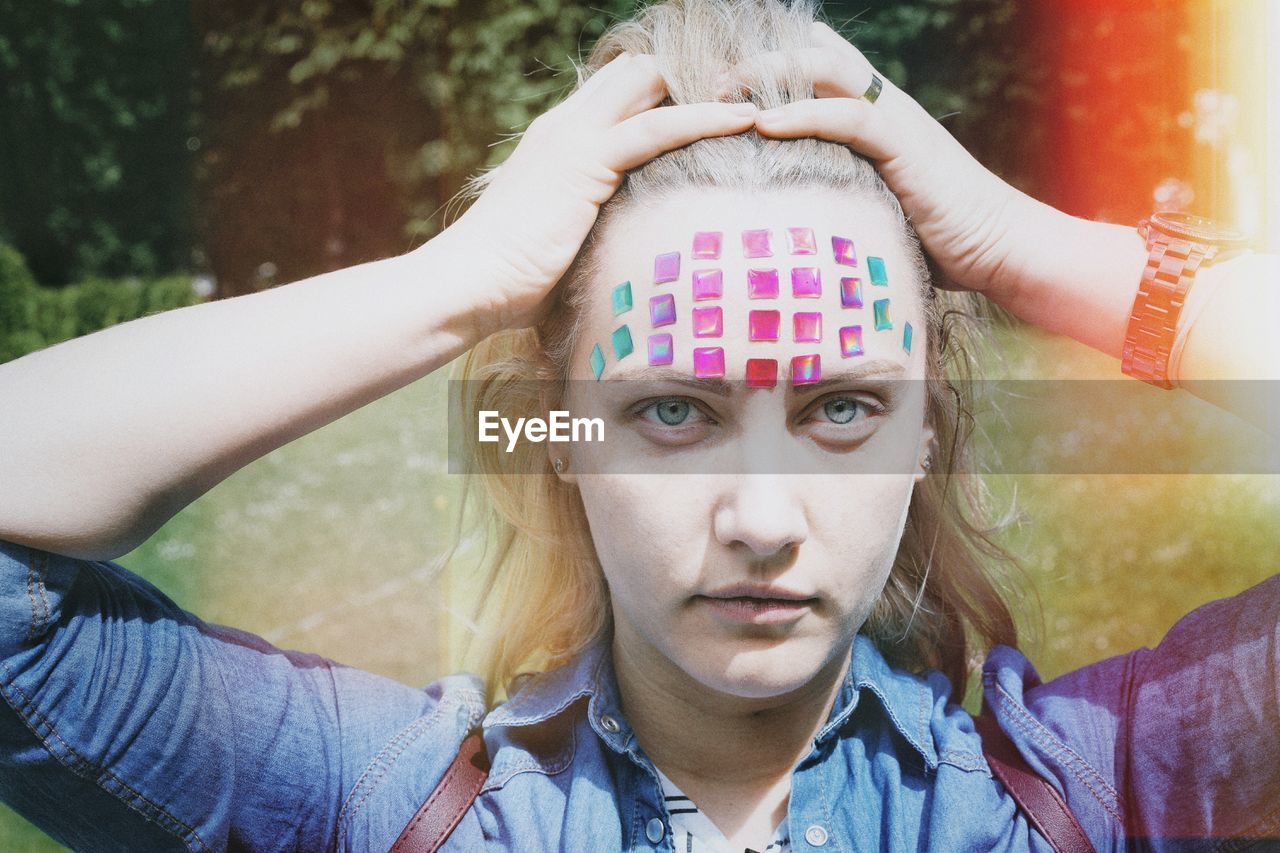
{"points": [[762, 671]]}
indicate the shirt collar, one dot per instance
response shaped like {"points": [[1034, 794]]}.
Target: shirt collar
{"points": [[904, 699]]}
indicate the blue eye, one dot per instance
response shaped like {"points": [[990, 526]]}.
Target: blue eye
{"points": [[672, 412], [841, 410]]}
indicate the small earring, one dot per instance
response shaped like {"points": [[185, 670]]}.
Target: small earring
{"points": [[928, 461], [559, 465]]}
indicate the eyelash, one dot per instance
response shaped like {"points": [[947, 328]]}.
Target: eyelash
{"points": [[871, 408]]}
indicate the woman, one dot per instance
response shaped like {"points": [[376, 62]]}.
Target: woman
{"points": [[745, 658]]}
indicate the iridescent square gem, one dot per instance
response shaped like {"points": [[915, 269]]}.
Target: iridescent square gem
{"points": [[708, 284], [875, 269], [806, 282], [805, 369], [666, 267], [800, 241], [660, 349], [708, 321], [762, 372], [763, 325], [757, 243], [851, 341], [806, 327], [851, 292], [762, 284], [842, 249], [706, 244], [881, 307], [597, 361], [622, 298], [622, 345], [708, 362], [662, 309], [906, 337]]}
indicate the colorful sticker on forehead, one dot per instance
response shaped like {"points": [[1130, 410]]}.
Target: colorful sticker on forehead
{"points": [[763, 325], [666, 267], [842, 249], [622, 298], [662, 310], [708, 362], [881, 308], [708, 321], [762, 372], [622, 344], [661, 350], [876, 270], [762, 284], [597, 361], [806, 369], [706, 244], [806, 282], [851, 341], [757, 243], [708, 284], [906, 337], [806, 327], [851, 292], [800, 241]]}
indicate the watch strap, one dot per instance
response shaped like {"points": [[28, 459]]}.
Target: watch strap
{"points": [[1172, 263]]}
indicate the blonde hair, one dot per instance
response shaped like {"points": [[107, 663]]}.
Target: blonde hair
{"points": [[545, 594]]}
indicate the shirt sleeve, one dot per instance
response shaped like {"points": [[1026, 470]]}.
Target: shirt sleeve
{"points": [[129, 723], [1169, 746]]}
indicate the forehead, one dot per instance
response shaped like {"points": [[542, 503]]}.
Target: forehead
{"points": [[718, 284]]}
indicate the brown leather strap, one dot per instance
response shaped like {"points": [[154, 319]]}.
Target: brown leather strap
{"points": [[1039, 800], [444, 809]]}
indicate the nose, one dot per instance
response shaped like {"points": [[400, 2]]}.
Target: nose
{"points": [[762, 512]]}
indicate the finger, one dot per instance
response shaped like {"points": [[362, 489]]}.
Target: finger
{"points": [[603, 73], [638, 87], [849, 121], [642, 137]]}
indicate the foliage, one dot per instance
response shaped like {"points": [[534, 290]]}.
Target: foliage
{"points": [[33, 317], [94, 120]]}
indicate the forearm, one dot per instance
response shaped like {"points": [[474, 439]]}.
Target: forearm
{"points": [[107, 436], [1082, 280]]}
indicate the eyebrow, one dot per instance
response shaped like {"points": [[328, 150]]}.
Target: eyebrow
{"points": [[879, 368]]}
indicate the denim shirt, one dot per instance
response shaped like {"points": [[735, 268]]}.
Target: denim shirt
{"points": [[128, 723]]}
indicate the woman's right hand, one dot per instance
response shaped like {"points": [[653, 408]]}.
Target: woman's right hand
{"points": [[532, 219]]}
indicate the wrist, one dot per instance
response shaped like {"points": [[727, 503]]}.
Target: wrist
{"points": [[1074, 277]]}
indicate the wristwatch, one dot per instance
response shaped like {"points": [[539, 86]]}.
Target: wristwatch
{"points": [[1178, 244]]}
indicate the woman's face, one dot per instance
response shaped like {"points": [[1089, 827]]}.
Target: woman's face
{"points": [[700, 485]]}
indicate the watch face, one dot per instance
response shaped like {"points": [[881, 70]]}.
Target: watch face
{"points": [[1198, 229]]}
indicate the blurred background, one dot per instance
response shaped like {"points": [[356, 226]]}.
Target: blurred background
{"points": [[156, 153]]}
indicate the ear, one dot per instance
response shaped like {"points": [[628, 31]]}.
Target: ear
{"points": [[555, 451], [924, 451]]}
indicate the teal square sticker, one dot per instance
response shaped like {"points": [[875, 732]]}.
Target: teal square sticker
{"points": [[622, 345], [622, 298], [597, 361], [875, 268], [906, 337], [881, 308]]}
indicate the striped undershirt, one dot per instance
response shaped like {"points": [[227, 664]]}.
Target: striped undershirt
{"points": [[693, 832]]}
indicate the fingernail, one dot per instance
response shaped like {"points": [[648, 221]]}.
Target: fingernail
{"points": [[744, 109], [770, 115]]}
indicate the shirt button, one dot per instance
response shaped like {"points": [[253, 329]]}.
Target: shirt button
{"points": [[655, 830], [610, 725], [815, 835]]}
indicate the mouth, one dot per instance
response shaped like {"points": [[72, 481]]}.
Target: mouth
{"points": [[757, 610]]}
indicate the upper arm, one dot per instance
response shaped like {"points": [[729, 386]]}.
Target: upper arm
{"points": [[1179, 741], [127, 721]]}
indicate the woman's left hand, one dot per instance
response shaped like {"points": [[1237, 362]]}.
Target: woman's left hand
{"points": [[962, 212]]}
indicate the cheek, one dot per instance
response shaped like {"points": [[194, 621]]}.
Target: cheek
{"points": [[643, 527], [865, 526]]}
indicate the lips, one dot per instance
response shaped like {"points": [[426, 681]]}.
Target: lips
{"points": [[768, 592]]}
